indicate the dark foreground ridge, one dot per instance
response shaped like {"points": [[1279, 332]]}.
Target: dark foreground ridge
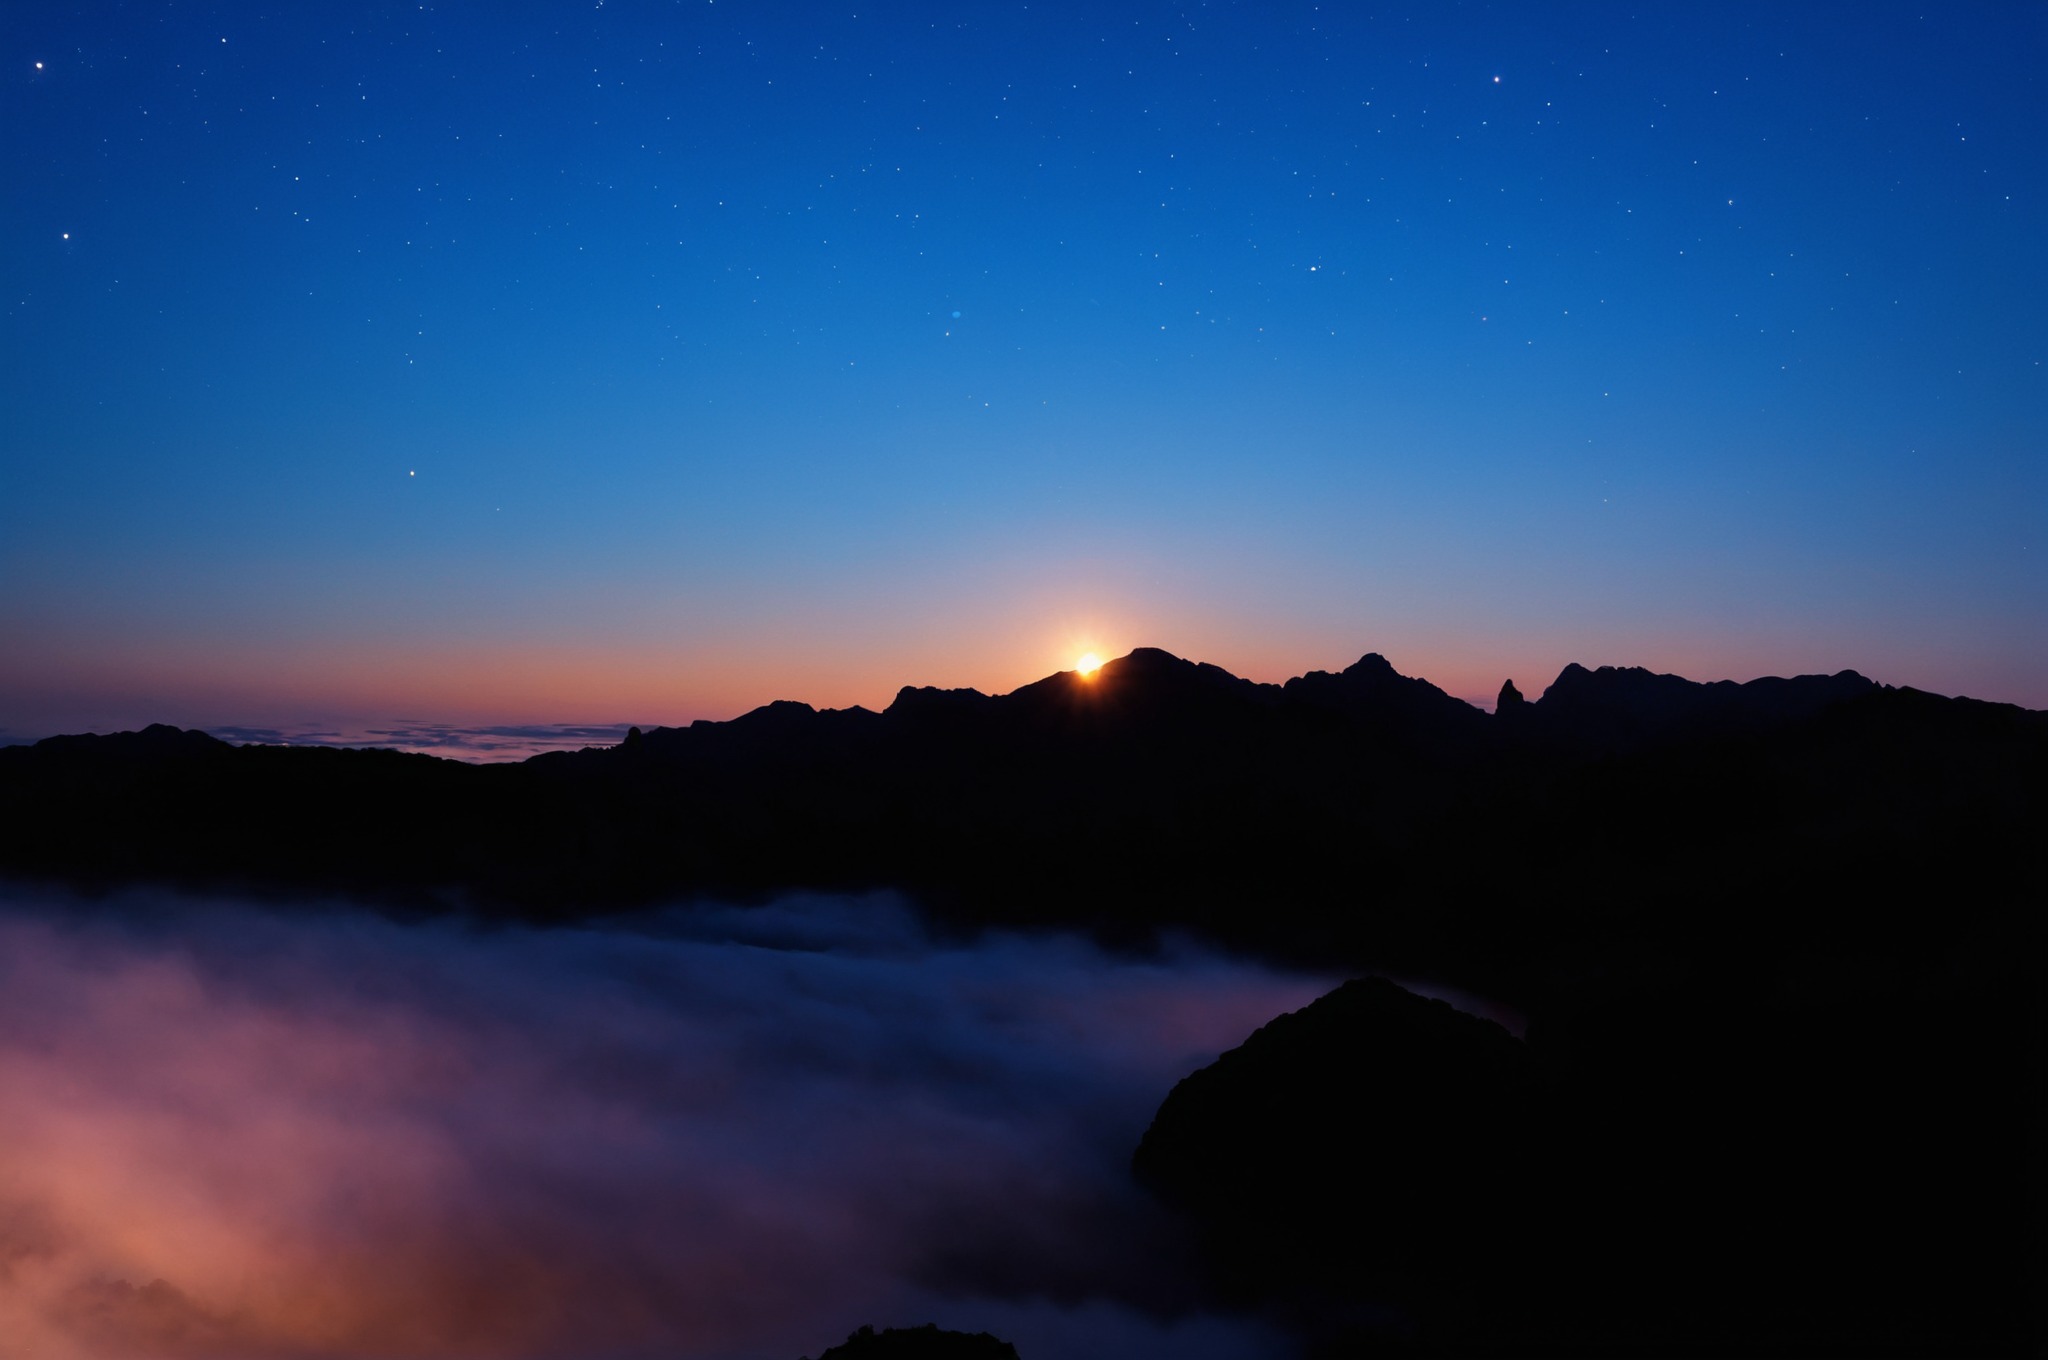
{"points": [[1667, 1166]]}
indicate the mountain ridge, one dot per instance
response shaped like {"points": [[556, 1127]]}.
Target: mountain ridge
{"points": [[1359, 814], [1373, 681]]}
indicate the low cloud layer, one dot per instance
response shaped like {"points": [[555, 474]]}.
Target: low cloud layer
{"points": [[710, 1133], [505, 742], [478, 745]]}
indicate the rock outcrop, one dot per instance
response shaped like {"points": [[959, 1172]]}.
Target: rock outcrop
{"points": [[1374, 1104], [928, 1342], [1677, 1162]]}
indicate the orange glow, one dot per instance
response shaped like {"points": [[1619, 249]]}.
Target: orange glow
{"points": [[1088, 664], [666, 673], [241, 1147]]}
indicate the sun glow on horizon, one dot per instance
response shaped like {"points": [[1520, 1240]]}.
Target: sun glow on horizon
{"points": [[1088, 663]]}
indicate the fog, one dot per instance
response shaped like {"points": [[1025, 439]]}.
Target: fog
{"points": [[713, 1132]]}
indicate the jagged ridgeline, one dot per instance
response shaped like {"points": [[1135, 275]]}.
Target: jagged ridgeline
{"points": [[1357, 813]]}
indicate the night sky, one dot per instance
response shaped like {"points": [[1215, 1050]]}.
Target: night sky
{"points": [[634, 361]]}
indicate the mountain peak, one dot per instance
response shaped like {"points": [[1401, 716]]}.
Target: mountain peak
{"points": [[920, 701], [1148, 661], [778, 713], [1372, 663]]}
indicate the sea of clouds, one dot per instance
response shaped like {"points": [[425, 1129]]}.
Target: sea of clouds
{"points": [[310, 1130]]}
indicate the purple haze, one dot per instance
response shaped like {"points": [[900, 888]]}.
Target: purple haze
{"points": [[710, 1132]]}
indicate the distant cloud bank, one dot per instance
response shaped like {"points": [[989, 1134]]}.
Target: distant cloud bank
{"points": [[507, 742], [476, 744]]}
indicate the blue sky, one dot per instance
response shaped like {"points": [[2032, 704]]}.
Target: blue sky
{"points": [[643, 362]]}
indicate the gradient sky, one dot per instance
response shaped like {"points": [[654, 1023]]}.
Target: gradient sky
{"points": [[633, 361]]}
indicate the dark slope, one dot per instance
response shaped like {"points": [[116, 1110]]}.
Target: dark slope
{"points": [[1681, 1166], [1386, 1116]]}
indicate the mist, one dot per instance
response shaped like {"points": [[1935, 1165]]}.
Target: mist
{"points": [[233, 1131]]}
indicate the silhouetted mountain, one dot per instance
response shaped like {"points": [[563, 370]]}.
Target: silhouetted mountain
{"points": [[1624, 706], [920, 1343], [1361, 815], [1395, 708]]}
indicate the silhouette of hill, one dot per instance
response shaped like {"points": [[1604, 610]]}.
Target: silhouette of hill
{"points": [[1671, 1164], [1378, 1114]]}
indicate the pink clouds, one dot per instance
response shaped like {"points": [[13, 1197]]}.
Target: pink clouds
{"points": [[227, 1132]]}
